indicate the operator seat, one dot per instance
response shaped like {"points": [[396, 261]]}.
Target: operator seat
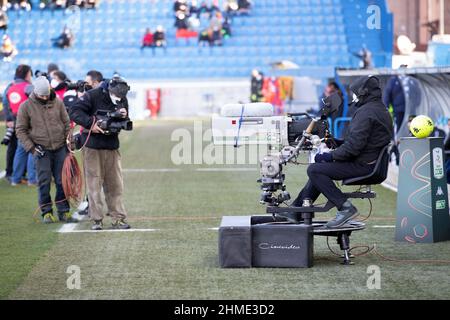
{"points": [[379, 173]]}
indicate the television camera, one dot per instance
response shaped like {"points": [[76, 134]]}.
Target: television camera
{"points": [[286, 137], [113, 121]]}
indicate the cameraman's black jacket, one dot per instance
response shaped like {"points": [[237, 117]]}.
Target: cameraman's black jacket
{"points": [[370, 129], [84, 109]]}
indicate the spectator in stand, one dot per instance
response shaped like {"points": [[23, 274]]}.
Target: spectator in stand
{"points": [[365, 55], [20, 5], [216, 21], [15, 94], [193, 8], [203, 10], [181, 20], [59, 4], [231, 8], [180, 5], [64, 40], [88, 4], [226, 28], [59, 83], [147, 39], [8, 49], [244, 7], [62, 4], [214, 8], [203, 38], [181, 11], [216, 36], [193, 20], [3, 20], [215, 25], [159, 37]]}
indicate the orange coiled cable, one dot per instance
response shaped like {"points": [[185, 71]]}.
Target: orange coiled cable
{"points": [[72, 174]]}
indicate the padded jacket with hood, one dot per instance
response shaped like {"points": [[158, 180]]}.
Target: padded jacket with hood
{"points": [[371, 127], [42, 124]]}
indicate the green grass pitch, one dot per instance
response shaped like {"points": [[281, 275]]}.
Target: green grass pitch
{"points": [[179, 260]]}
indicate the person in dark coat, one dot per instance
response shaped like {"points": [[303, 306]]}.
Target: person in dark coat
{"points": [[102, 164], [393, 94], [368, 133]]}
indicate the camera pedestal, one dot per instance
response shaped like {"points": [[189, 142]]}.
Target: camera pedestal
{"points": [[275, 242]]}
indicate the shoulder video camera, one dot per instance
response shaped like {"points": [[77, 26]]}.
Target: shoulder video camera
{"points": [[113, 121], [79, 86]]}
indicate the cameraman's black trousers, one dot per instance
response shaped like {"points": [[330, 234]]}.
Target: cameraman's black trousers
{"points": [[321, 176]]}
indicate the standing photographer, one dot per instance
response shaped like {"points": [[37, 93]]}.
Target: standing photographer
{"points": [[42, 127], [101, 154], [94, 78]]}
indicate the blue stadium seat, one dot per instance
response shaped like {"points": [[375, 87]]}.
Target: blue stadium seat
{"points": [[309, 32]]}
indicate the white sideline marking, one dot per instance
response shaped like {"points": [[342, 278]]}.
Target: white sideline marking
{"points": [[389, 186], [137, 170], [384, 227], [213, 229], [67, 227], [152, 170], [68, 230], [225, 169]]}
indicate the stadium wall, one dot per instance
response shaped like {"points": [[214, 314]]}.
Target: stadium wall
{"points": [[185, 98]]}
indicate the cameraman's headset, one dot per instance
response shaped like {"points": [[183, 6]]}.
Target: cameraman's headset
{"points": [[116, 81], [363, 90]]}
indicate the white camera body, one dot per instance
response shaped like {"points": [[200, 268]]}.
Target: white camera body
{"points": [[247, 124]]}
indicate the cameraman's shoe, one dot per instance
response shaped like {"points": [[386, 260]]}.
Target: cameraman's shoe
{"points": [[84, 212], [120, 224], [49, 218], [66, 217], [97, 226], [347, 213]]}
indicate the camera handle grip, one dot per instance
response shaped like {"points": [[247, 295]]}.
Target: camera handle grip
{"points": [[311, 126], [306, 134]]}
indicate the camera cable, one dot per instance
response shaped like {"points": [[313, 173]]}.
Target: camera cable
{"points": [[72, 174]]}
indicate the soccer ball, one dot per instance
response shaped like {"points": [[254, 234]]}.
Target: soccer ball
{"points": [[421, 127]]}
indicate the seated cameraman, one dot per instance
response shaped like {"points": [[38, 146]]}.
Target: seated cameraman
{"points": [[101, 153], [369, 131]]}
